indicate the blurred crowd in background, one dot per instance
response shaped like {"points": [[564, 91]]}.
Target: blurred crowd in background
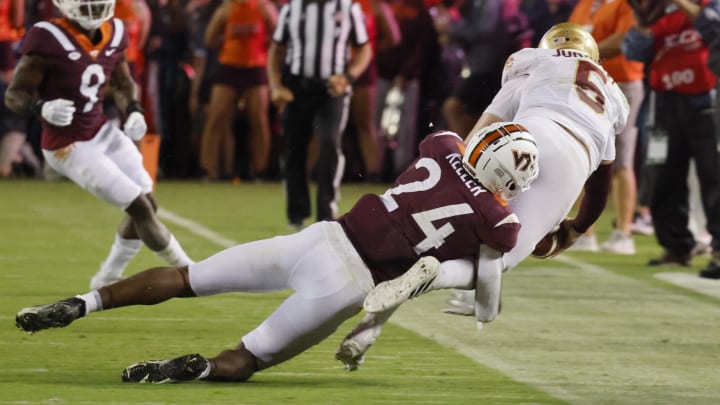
{"points": [[174, 65], [437, 64]]}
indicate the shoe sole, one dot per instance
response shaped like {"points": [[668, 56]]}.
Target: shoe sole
{"points": [[35, 319], [674, 264], [414, 282], [138, 372], [27, 320]]}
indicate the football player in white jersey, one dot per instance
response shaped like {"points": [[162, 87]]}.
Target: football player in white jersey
{"points": [[561, 94]]}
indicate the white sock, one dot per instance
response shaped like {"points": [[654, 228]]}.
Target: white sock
{"points": [[121, 252], [205, 372], [93, 301], [455, 274], [173, 254]]}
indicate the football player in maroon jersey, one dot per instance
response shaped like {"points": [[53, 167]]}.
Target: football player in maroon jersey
{"points": [[66, 63], [450, 203]]}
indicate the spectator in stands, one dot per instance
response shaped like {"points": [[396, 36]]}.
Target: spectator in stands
{"points": [[399, 69], [707, 22], [445, 15], [384, 33], [684, 87], [490, 31], [203, 65], [14, 148], [39, 10], [167, 52], [608, 21], [240, 29], [543, 14], [310, 78], [136, 16]]}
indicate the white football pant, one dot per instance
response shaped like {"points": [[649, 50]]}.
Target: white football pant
{"points": [[319, 263], [109, 166]]}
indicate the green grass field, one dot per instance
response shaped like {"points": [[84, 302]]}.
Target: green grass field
{"points": [[581, 329]]}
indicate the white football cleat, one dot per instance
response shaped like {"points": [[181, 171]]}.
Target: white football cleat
{"points": [[351, 353], [414, 282], [619, 243], [585, 243]]}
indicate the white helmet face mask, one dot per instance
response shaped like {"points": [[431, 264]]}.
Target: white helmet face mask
{"points": [[503, 157], [89, 14]]}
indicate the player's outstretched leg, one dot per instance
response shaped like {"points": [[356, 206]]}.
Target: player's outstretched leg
{"points": [[184, 368], [353, 348], [414, 282], [56, 315], [148, 287]]}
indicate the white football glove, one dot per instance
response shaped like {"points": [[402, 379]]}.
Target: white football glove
{"points": [[58, 112], [135, 126]]}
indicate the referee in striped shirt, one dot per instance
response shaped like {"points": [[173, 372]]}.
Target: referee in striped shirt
{"points": [[310, 70]]}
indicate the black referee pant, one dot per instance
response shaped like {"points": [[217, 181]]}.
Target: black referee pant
{"points": [[313, 111], [690, 124]]}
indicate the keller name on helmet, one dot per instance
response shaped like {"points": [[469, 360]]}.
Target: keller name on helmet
{"points": [[570, 36], [503, 157], [89, 14]]}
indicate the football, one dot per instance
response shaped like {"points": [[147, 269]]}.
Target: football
{"points": [[547, 247]]}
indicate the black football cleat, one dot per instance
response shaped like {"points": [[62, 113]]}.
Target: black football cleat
{"points": [[55, 315], [671, 259], [184, 368], [712, 271]]}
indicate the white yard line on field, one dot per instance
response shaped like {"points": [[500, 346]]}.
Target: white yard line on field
{"points": [[196, 228]]}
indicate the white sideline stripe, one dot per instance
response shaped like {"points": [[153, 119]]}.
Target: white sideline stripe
{"points": [[689, 281], [692, 282], [196, 228]]}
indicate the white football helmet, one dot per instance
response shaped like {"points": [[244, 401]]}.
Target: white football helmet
{"points": [[503, 157], [89, 14]]}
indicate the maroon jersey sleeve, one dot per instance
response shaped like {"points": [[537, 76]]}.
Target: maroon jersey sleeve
{"points": [[434, 208], [40, 41]]}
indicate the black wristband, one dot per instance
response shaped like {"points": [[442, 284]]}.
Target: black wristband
{"points": [[34, 107], [133, 106], [350, 78]]}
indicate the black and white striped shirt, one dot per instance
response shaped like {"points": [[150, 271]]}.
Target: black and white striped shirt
{"points": [[317, 34]]}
